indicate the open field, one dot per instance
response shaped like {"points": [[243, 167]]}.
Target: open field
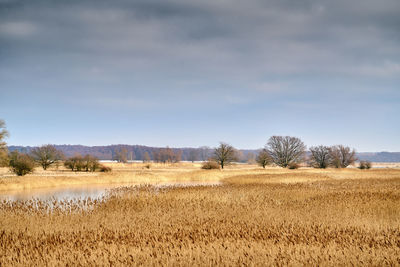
{"points": [[255, 217], [138, 173], [386, 164]]}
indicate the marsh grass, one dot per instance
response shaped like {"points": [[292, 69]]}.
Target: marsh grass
{"points": [[257, 218], [137, 173]]}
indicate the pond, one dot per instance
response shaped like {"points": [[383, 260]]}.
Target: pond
{"points": [[84, 191]]}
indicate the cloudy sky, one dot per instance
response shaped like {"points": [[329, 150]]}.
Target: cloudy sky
{"points": [[191, 73]]}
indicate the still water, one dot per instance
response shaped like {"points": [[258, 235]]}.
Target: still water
{"points": [[83, 191]]}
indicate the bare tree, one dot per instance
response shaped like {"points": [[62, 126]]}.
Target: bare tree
{"points": [[342, 156], [3, 145], [240, 157], [121, 155], [165, 155], [91, 163], [285, 150], [3, 133], [193, 155], [263, 158], [320, 156], [75, 163], [46, 155], [224, 154], [156, 156], [205, 152], [251, 158], [146, 157], [177, 156], [132, 155]]}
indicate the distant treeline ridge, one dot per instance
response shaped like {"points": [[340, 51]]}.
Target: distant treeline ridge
{"points": [[137, 152]]}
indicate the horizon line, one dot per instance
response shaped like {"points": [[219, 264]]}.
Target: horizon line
{"points": [[383, 151]]}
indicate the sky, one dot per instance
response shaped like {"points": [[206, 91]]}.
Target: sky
{"points": [[192, 73]]}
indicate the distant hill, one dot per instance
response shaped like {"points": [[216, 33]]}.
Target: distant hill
{"points": [[136, 152], [380, 156]]}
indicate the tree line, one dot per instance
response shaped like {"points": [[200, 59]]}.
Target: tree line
{"points": [[164, 155], [46, 156], [290, 152], [130, 152], [284, 151]]}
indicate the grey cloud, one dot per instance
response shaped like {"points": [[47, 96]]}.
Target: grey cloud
{"points": [[17, 29], [244, 40]]}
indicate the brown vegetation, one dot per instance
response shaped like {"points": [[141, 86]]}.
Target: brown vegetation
{"points": [[293, 166], [210, 165], [322, 217], [365, 164], [104, 168]]}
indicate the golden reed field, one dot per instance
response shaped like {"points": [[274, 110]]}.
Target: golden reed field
{"points": [[255, 217]]}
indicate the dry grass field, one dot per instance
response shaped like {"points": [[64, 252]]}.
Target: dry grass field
{"points": [[255, 217]]}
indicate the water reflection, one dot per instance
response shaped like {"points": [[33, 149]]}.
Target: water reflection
{"points": [[83, 191]]}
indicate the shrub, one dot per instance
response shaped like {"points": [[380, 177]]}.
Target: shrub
{"points": [[90, 163], [21, 164], [263, 158], [147, 166], [4, 160], [364, 164], [368, 165], [103, 168], [79, 163], [293, 165], [75, 163], [210, 165], [69, 164]]}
